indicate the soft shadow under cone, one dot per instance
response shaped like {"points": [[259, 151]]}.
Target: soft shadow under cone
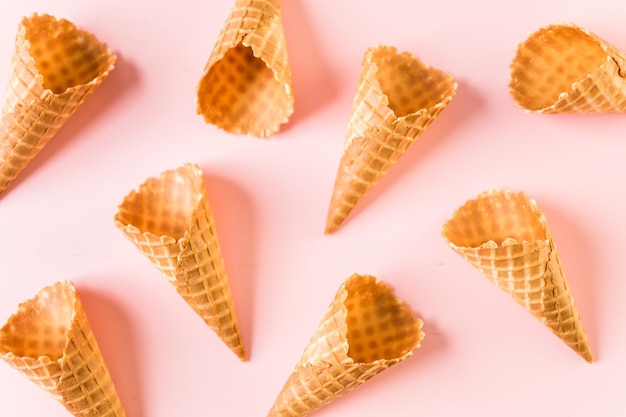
{"points": [[562, 68], [398, 97], [55, 68], [246, 85], [506, 237], [50, 341], [170, 221], [366, 330]]}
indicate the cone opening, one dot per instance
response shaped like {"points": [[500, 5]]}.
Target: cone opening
{"points": [[164, 206], [240, 94], [409, 84], [39, 328], [379, 325], [65, 56], [495, 216], [550, 61]]}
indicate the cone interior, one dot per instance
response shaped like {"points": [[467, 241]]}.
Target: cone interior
{"points": [[380, 326], [409, 84], [240, 93], [164, 205], [40, 326], [495, 216], [64, 55], [550, 61]]}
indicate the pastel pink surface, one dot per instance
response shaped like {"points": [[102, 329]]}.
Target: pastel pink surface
{"points": [[482, 354]]}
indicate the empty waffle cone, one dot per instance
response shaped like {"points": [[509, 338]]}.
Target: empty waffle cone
{"points": [[49, 340], [170, 221], [506, 237], [55, 68], [246, 85], [398, 97], [562, 68], [365, 330]]}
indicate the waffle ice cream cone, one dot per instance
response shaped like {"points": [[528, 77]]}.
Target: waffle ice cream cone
{"points": [[246, 85], [398, 97], [55, 68], [506, 237], [49, 340], [170, 221], [365, 330], [562, 68]]}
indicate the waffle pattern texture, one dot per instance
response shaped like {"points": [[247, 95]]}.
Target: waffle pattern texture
{"points": [[563, 68], [397, 97], [505, 236], [55, 68], [365, 330], [170, 221], [50, 341], [246, 85]]}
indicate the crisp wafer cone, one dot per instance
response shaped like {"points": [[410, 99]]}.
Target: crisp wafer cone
{"points": [[506, 237], [55, 68], [170, 221], [246, 85], [49, 340], [398, 97], [365, 330], [562, 68]]}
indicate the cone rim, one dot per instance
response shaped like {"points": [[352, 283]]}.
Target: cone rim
{"points": [[508, 241], [580, 86], [108, 55], [446, 77], [23, 308], [191, 169]]}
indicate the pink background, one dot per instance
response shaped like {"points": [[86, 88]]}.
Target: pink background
{"points": [[482, 355]]}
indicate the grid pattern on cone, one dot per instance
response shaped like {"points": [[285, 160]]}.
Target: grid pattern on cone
{"points": [[24, 132], [33, 339], [52, 56], [85, 384], [160, 252], [565, 69], [329, 343], [170, 221], [365, 330], [156, 216], [398, 97], [380, 327], [505, 236], [202, 278], [246, 86], [25, 83], [564, 319], [242, 96], [44, 374], [50, 341], [256, 24], [495, 216], [55, 68], [520, 270], [311, 387]]}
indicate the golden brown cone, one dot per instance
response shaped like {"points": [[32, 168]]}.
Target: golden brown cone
{"points": [[55, 68], [50, 341], [506, 237], [365, 330], [562, 68], [170, 221], [246, 85], [398, 97]]}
